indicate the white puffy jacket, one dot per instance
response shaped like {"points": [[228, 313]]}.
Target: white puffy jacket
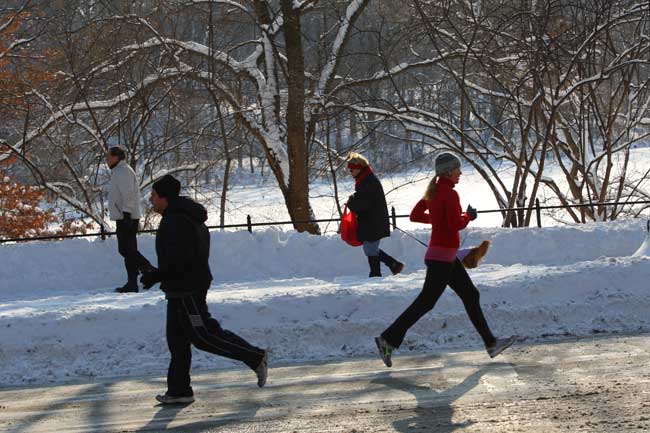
{"points": [[124, 194]]}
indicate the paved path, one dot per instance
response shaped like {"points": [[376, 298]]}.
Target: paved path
{"points": [[589, 385]]}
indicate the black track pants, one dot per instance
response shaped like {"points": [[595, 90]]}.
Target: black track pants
{"points": [[189, 322]]}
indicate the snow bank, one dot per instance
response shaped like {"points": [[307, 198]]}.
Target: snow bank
{"points": [[308, 298], [271, 254]]}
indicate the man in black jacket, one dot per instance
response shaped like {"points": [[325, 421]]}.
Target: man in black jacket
{"points": [[183, 248], [369, 204]]}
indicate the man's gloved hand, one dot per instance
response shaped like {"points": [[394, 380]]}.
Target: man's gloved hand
{"points": [[149, 278], [473, 214]]}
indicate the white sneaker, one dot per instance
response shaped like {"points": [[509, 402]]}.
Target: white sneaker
{"points": [[500, 345], [262, 371]]}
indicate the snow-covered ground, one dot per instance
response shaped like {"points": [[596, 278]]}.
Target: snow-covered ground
{"points": [[308, 298]]}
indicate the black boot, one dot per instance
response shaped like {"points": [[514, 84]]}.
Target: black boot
{"points": [[131, 285], [394, 266], [375, 266]]}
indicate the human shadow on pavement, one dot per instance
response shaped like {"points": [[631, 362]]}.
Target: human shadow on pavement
{"points": [[434, 411], [163, 417], [167, 413], [47, 414]]}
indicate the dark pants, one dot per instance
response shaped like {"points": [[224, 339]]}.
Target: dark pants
{"points": [[189, 322], [439, 275], [127, 246]]}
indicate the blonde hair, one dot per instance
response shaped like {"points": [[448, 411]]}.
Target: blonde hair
{"points": [[358, 159], [431, 188]]}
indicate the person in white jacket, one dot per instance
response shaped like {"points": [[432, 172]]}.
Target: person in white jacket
{"points": [[124, 209]]}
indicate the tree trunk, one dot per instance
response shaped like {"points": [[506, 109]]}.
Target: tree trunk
{"points": [[297, 194], [226, 170]]}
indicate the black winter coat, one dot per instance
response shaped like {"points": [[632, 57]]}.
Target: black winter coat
{"points": [[183, 249], [369, 203]]}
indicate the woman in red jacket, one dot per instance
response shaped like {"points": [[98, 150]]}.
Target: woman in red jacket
{"points": [[440, 207]]}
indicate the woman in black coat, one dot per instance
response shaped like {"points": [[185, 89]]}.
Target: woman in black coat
{"points": [[369, 205]]}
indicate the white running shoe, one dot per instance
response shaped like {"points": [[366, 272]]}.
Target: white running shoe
{"points": [[500, 345]]}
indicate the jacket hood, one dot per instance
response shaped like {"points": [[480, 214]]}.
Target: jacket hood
{"points": [[188, 207]]}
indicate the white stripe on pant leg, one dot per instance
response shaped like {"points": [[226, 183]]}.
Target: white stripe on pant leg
{"points": [[199, 324], [246, 349]]}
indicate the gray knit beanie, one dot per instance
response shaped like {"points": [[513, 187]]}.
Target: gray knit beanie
{"points": [[446, 162]]}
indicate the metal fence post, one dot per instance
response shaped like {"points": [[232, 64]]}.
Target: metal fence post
{"points": [[394, 216], [248, 223], [538, 211], [103, 231]]}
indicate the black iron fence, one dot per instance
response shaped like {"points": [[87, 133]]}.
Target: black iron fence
{"points": [[394, 217]]}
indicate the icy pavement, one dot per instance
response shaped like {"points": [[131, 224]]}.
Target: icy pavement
{"points": [[598, 384]]}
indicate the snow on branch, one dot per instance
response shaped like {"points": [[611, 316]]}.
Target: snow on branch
{"points": [[269, 131], [243, 67], [635, 9], [414, 124], [223, 2], [75, 120], [64, 112], [401, 68], [301, 5], [353, 11], [178, 169], [247, 67], [55, 187], [14, 45], [269, 95], [10, 22]]}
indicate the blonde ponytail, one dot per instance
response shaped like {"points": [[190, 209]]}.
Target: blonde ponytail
{"points": [[431, 188]]}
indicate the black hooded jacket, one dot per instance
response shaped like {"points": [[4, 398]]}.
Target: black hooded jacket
{"points": [[183, 249], [369, 203]]}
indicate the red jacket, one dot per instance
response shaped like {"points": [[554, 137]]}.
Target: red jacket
{"points": [[447, 219]]}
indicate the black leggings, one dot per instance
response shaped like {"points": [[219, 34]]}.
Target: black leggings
{"points": [[439, 275]]}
